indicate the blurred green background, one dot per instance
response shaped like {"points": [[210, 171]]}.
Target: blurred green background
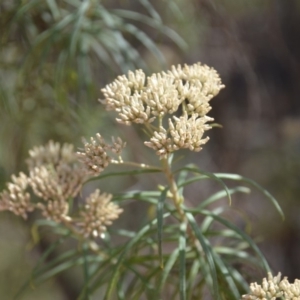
{"points": [[56, 55]]}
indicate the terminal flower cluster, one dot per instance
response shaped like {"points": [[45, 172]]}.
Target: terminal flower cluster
{"points": [[98, 213], [16, 199], [273, 288], [56, 174], [95, 155], [184, 92]]}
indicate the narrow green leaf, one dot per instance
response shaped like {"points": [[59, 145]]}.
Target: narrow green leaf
{"points": [[76, 29], [151, 292], [206, 223], [43, 257], [160, 212], [151, 10], [167, 269], [54, 9], [129, 245], [225, 273], [222, 194], [86, 271], [194, 272], [100, 51], [208, 254], [242, 234], [57, 28], [203, 175], [24, 9], [240, 279], [182, 261], [146, 41], [58, 269], [256, 185], [174, 36], [125, 173], [102, 274], [141, 277]]}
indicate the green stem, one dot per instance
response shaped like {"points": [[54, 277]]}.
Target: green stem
{"points": [[134, 164], [178, 200]]}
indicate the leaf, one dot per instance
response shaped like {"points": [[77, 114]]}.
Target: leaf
{"points": [[86, 271], [208, 254], [242, 234], [194, 272], [76, 30], [146, 41], [182, 261], [43, 257], [151, 10], [160, 212], [129, 245], [179, 41], [167, 269], [225, 273], [204, 175], [256, 185], [125, 173], [54, 9]]}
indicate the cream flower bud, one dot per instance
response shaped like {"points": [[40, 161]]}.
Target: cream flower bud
{"points": [[161, 94], [273, 288], [197, 85], [184, 132], [15, 198], [95, 156], [56, 211], [51, 153], [97, 214], [56, 183]]}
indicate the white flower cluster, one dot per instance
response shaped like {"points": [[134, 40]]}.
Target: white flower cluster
{"points": [[56, 175], [15, 198], [274, 288], [98, 213], [142, 100], [185, 133], [95, 156]]}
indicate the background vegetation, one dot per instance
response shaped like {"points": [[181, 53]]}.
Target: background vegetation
{"points": [[56, 55]]}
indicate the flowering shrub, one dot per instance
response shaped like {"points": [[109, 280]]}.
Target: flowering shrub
{"points": [[172, 254]]}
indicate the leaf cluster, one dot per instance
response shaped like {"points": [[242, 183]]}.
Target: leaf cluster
{"points": [[168, 256]]}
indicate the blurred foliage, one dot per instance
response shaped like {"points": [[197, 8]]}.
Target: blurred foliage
{"points": [[54, 57], [255, 46]]}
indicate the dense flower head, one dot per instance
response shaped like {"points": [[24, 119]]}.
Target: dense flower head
{"points": [[98, 213], [273, 288], [55, 173], [123, 96], [16, 199], [161, 95], [56, 176], [185, 132], [140, 99], [56, 183], [95, 157], [52, 153], [56, 211]]}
